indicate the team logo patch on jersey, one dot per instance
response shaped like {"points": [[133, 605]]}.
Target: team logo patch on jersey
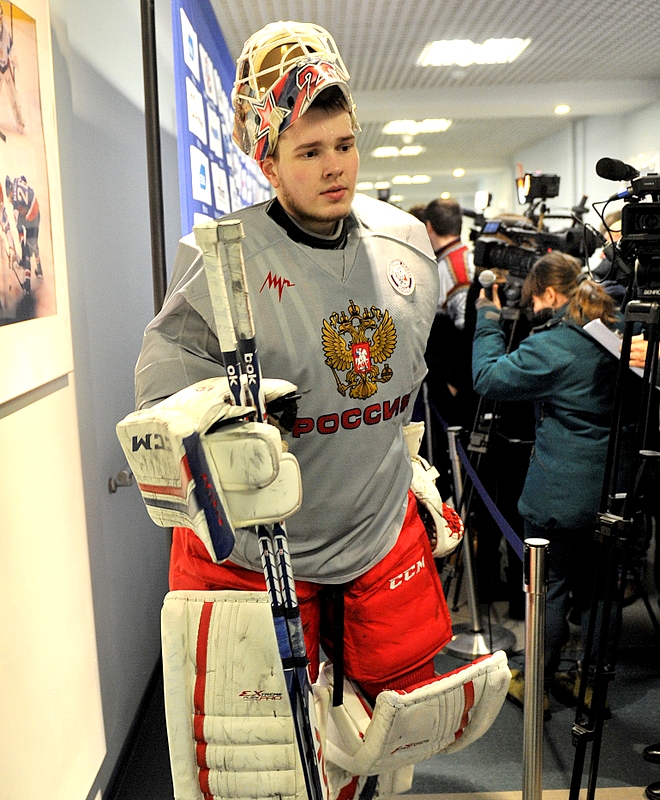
{"points": [[349, 349], [400, 277], [275, 282]]}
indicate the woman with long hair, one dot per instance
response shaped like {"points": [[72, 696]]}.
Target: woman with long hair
{"points": [[570, 378]]}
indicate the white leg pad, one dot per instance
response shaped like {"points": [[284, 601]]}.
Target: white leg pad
{"points": [[229, 721], [349, 787], [443, 715]]}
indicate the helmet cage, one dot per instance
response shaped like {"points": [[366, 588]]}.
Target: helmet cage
{"points": [[283, 68], [273, 50]]}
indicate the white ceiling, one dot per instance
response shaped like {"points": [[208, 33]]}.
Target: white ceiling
{"points": [[597, 56]]}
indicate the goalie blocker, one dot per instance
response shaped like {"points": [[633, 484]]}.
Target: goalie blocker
{"points": [[230, 724], [204, 464]]}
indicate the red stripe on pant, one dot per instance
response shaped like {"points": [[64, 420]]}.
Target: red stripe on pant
{"points": [[199, 698]]}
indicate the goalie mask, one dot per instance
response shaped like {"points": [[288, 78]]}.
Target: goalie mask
{"points": [[283, 68]]}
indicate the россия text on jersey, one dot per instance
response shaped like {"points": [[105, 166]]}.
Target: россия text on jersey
{"points": [[352, 418]]}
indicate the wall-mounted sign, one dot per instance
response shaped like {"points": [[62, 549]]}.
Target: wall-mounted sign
{"points": [[215, 177]]}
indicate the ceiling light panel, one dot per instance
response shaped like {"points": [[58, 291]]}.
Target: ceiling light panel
{"points": [[410, 127], [465, 52], [385, 152], [411, 150]]}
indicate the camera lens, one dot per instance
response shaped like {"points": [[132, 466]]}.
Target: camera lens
{"points": [[649, 222]]}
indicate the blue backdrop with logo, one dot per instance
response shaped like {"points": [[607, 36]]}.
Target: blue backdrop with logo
{"points": [[215, 177]]}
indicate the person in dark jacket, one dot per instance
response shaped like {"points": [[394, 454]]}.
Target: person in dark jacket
{"points": [[570, 378]]}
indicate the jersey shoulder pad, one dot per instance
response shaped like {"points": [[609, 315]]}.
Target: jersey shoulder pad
{"points": [[388, 220]]}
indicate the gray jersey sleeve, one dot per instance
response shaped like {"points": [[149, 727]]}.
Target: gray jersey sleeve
{"points": [[179, 346]]}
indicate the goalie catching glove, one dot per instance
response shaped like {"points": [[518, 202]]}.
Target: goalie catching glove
{"points": [[443, 525], [204, 464]]}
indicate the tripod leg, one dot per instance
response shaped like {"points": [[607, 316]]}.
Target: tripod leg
{"points": [[588, 726], [645, 599]]}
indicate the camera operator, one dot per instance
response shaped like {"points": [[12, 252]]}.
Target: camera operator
{"points": [[570, 380], [600, 260]]}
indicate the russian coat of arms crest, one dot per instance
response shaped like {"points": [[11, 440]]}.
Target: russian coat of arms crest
{"points": [[357, 343]]}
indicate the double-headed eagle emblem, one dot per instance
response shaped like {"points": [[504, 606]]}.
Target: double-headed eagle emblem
{"points": [[348, 349]]}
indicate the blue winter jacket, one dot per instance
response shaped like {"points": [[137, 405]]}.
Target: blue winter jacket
{"points": [[571, 380]]}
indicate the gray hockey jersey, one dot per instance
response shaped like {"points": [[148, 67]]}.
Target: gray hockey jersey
{"points": [[348, 327]]}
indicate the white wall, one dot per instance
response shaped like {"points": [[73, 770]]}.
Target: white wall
{"points": [[51, 718], [573, 153], [555, 155]]}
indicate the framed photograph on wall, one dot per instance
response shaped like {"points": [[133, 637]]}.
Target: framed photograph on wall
{"points": [[35, 333]]}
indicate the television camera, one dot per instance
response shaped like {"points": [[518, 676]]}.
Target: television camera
{"points": [[511, 244], [636, 256]]}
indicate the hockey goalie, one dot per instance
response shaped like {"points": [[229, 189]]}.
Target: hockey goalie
{"points": [[324, 486]]}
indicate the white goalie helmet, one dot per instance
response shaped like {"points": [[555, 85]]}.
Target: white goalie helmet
{"points": [[280, 72]]}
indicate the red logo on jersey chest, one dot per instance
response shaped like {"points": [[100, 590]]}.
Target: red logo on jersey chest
{"points": [[361, 357], [275, 282]]}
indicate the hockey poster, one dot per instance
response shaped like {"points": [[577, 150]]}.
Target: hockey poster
{"points": [[215, 177], [35, 333], [27, 280]]}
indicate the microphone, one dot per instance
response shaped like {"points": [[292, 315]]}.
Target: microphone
{"points": [[487, 279], [614, 170]]}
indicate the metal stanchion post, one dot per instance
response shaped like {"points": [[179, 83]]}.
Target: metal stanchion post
{"points": [[428, 424], [536, 586], [471, 643]]}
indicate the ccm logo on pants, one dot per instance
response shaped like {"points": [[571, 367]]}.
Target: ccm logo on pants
{"points": [[407, 574]]}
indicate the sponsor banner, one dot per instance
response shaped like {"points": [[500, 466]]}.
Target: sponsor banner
{"points": [[215, 177]]}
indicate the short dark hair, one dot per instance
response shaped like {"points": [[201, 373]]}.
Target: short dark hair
{"points": [[419, 211], [331, 99], [445, 217]]}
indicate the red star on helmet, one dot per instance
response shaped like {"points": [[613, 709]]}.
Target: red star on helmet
{"points": [[264, 111]]}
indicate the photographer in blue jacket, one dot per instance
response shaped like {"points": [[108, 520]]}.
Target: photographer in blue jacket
{"points": [[570, 378]]}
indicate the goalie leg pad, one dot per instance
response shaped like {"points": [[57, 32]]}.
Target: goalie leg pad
{"points": [[344, 786], [442, 715], [229, 720]]}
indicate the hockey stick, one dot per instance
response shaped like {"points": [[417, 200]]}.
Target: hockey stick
{"points": [[20, 283], [230, 234], [234, 309], [273, 539], [207, 241]]}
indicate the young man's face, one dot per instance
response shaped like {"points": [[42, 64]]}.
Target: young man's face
{"points": [[315, 170]]}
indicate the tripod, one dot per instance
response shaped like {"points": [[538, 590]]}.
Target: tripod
{"points": [[615, 523]]}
